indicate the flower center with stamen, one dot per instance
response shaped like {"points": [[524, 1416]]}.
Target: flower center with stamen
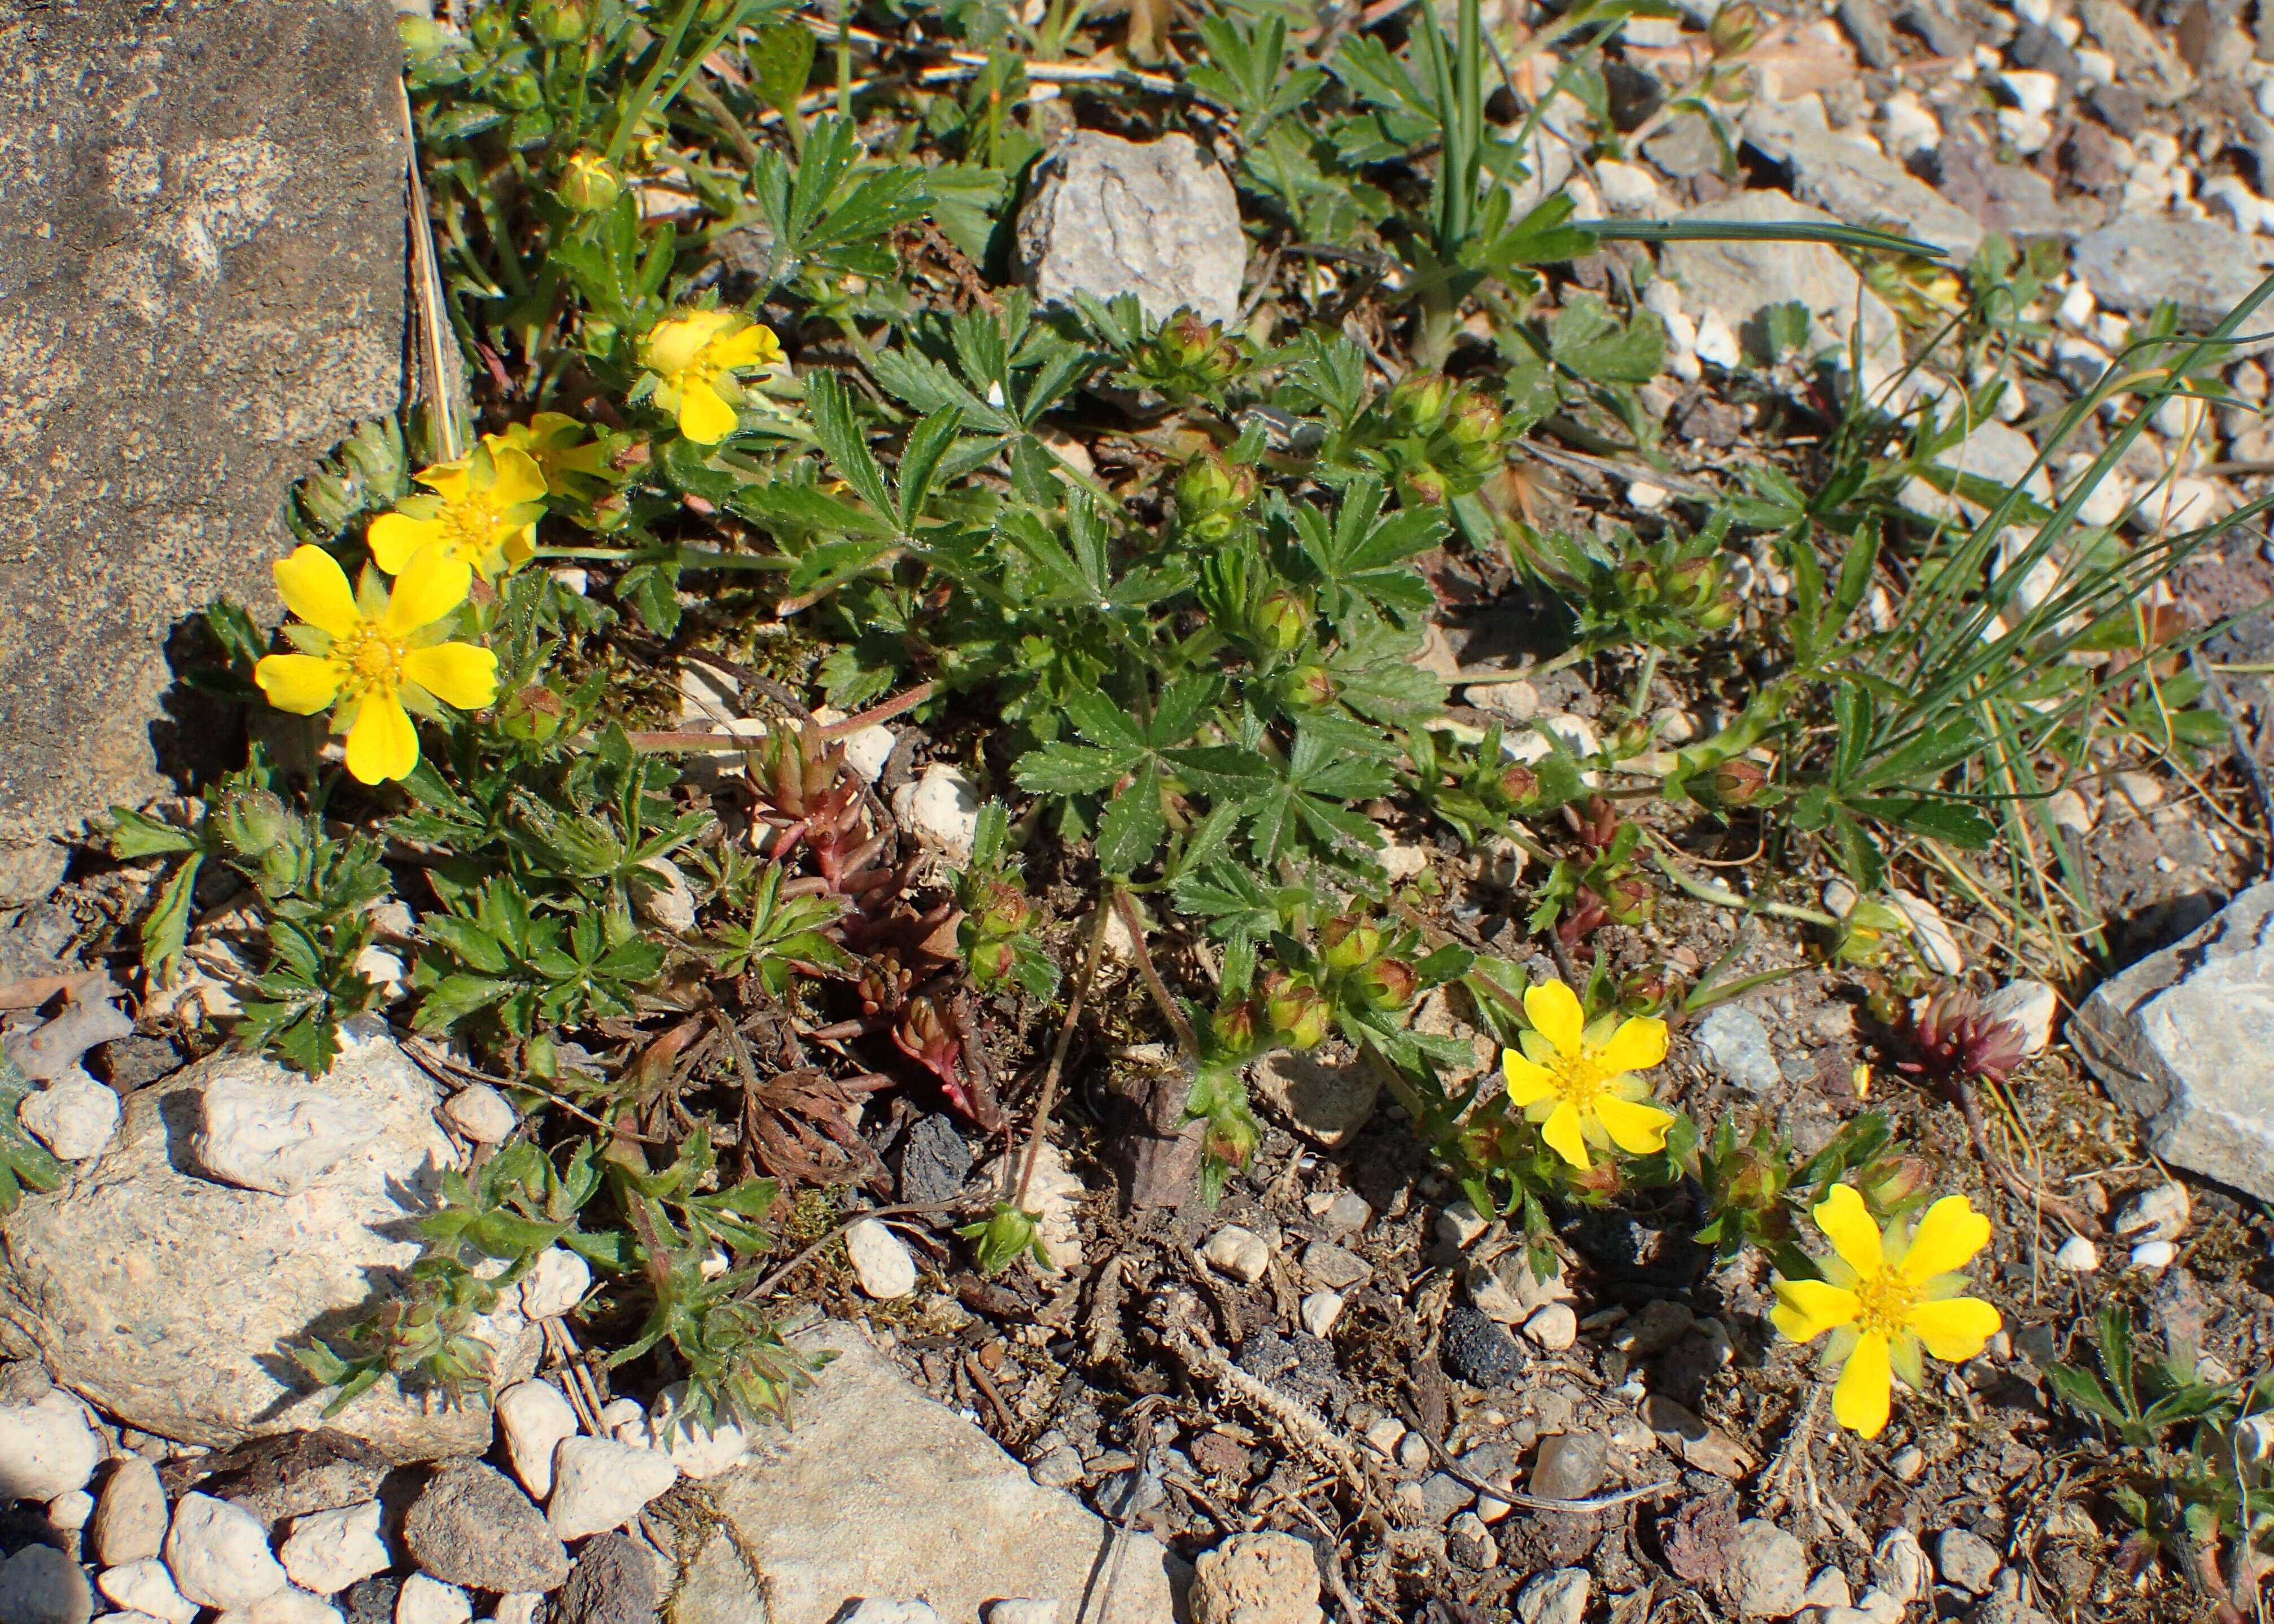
{"points": [[369, 662], [1885, 1301], [470, 524], [1578, 1079]]}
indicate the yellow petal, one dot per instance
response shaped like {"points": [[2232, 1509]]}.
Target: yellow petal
{"points": [[1564, 1135], [1554, 1013], [1635, 1127], [397, 538], [314, 587], [1637, 1046], [519, 479], [300, 683], [1840, 1216], [1808, 1308], [1956, 1328], [1861, 1400], [432, 584], [448, 480], [1527, 1079], [382, 744], [521, 546], [456, 673], [704, 416], [1946, 1239], [671, 346], [753, 346]]}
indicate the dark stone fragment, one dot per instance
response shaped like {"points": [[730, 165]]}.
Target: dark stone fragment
{"points": [[1694, 1538], [614, 1581], [1443, 1497], [2122, 108], [372, 1601], [472, 1526], [289, 1474], [1866, 23], [2038, 47], [934, 1162], [1302, 1367], [1945, 34], [1633, 94], [136, 1061], [1478, 1349]]}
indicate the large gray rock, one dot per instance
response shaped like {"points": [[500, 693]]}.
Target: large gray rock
{"points": [[1856, 183], [877, 1491], [2185, 1039], [201, 286], [2138, 259], [1157, 219], [170, 1300], [1741, 280]]}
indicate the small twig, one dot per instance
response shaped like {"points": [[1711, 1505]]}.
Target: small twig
{"points": [[986, 1386], [444, 1068]]}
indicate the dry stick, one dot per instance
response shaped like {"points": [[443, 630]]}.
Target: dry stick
{"points": [[427, 279], [1050, 1089]]}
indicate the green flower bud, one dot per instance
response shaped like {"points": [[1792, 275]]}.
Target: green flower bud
{"points": [[1236, 1025], [1474, 422], [1519, 783], [1313, 685], [1889, 1185], [1735, 29], [991, 963], [1753, 1180], [1347, 940], [589, 182], [1299, 1016], [521, 92], [1211, 492], [1720, 613], [490, 28], [255, 822], [1004, 912], [1389, 983], [1629, 899], [1740, 782], [1282, 621], [1231, 1137], [1417, 405], [560, 22], [1695, 583]]}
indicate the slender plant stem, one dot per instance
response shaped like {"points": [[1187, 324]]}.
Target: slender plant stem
{"points": [[1175, 1017], [1048, 1097]]}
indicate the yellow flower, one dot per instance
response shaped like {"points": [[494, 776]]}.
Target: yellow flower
{"points": [[375, 657], [1883, 1296], [560, 447], [695, 357], [1576, 1080], [484, 510]]}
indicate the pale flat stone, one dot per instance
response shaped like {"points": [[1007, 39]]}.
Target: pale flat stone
{"points": [[599, 1484], [219, 1555], [327, 1551]]}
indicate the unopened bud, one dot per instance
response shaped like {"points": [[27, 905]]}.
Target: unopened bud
{"points": [[1231, 1138], [1005, 911], [1347, 940], [1474, 421], [1417, 405], [1299, 1016], [1629, 899], [1390, 983], [1755, 1180], [1237, 1026], [991, 963], [1313, 685], [489, 27], [589, 182], [1891, 1184], [1519, 783], [256, 823], [1735, 29], [1282, 621], [1740, 782], [560, 22], [1211, 492]]}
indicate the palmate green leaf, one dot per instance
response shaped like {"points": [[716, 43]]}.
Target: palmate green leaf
{"points": [[1359, 556], [781, 56], [1595, 345], [1131, 830], [840, 435], [1313, 799], [1068, 770]]}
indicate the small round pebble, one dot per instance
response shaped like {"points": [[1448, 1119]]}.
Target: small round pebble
{"points": [[2077, 1255], [1552, 1325]]}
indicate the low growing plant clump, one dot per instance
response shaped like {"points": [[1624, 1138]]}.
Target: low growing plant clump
{"points": [[754, 394]]}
